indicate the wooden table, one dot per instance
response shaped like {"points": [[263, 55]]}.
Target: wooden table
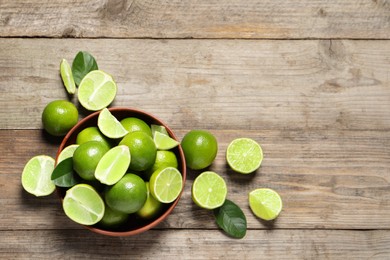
{"points": [[309, 80]]}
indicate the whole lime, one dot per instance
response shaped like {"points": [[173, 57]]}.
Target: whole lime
{"points": [[133, 124], [113, 218], [142, 148], [200, 149], [86, 158], [128, 195], [59, 116], [163, 159], [92, 133]]}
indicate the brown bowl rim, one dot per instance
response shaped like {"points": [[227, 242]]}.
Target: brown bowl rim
{"points": [[183, 171]]}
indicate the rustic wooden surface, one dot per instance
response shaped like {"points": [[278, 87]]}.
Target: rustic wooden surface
{"points": [[309, 80]]}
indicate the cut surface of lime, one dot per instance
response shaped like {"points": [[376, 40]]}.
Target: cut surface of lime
{"points": [[96, 90], [67, 152], [109, 125], [265, 203], [164, 142], [158, 128], [209, 190], [113, 165], [166, 184], [244, 155], [36, 176], [67, 76], [83, 204]]}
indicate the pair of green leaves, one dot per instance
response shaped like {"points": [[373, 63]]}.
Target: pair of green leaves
{"points": [[231, 219], [82, 64]]}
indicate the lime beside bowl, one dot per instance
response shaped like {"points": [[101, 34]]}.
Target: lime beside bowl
{"points": [[134, 225]]}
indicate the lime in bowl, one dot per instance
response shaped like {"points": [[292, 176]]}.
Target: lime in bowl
{"points": [[110, 209]]}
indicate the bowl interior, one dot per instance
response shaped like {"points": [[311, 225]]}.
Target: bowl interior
{"points": [[134, 225]]}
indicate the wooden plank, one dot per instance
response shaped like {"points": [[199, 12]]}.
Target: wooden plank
{"points": [[197, 244], [276, 19], [214, 84], [328, 179]]}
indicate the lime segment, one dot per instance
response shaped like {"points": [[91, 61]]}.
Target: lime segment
{"points": [[110, 126], [83, 204], [158, 128], [244, 155], [209, 190], [67, 152], [113, 165], [67, 76], [166, 184], [164, 142], [36, 175], [96, 90], [265, 203]]}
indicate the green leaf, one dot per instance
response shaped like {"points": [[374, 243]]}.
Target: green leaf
{"points": [[82, 64], [63, 174], [231, 219]]}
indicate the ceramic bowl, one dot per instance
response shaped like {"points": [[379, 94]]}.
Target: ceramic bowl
{"points": [[134, 225]]}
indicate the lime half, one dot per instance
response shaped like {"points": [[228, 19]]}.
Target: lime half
{"points": [[244, 155], [83, 204], [209, 190], [67, 77], [113, 165], [96, 90], [166, 184], [110, 126], [67, 152], [36, 176], [164, 142], [265, 203]]}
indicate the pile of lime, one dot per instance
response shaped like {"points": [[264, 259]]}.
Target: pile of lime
{"points": [[125, 167]]}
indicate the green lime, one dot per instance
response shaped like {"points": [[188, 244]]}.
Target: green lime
{"points": [[113, 165], [67, 152], [244, 155], [109, 125], [166, 184], [164, 142], [128, 195], [200, 149], [113, 218], [83, 204], [67, 76], [92, 133], [96, 90], [59, 117], [151, 208], [133, 124], [163, 159], [86, 158], [265, 203], [142, 148], [209, 190], [36, 176], [158, 128]]}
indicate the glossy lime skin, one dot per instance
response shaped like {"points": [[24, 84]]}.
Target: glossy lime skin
{"points": [[59, 116]]}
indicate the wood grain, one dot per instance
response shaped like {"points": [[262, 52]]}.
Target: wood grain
{"points": [[197, 244], [253, 19], [214, 84]]}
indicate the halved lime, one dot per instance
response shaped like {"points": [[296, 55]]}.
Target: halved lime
{"points": [[209, 190], [164, 142], [109, 125], [158, 128], [36, 176], [113, 165], [96, 90], [166, 184], [83, 204], [67, 76], [265, 203], [67, 152], [244, 155]]}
